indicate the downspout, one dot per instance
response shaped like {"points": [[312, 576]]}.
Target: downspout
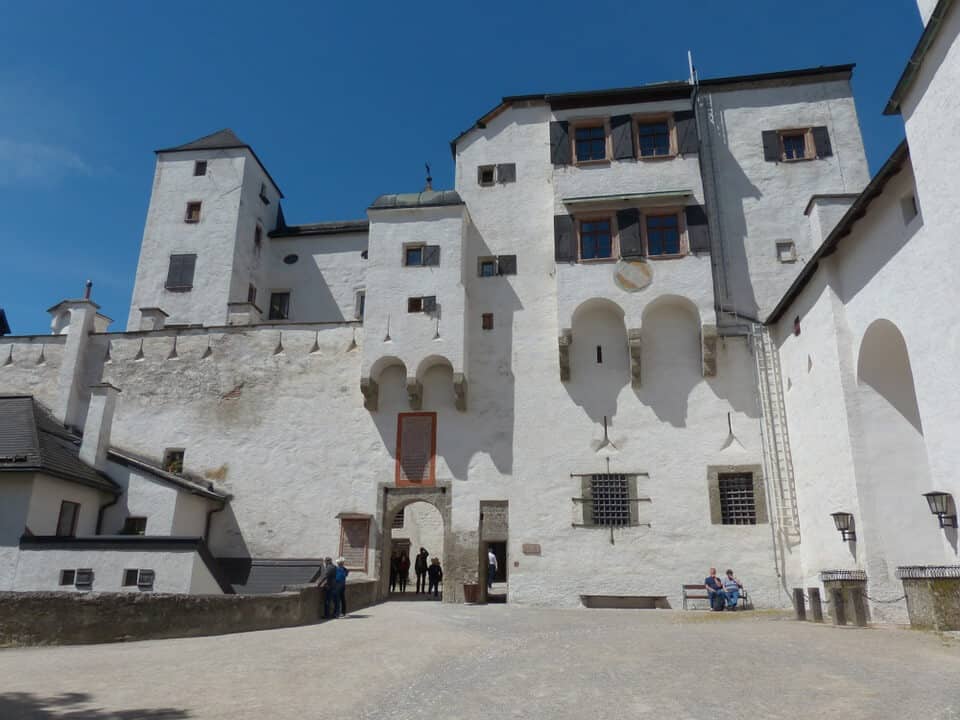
{"points": [[102, 510], [206, 527]]}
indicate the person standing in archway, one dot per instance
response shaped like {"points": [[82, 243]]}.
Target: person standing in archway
{"points": [[394, 571], [420, 568], [491, 567], [403, 571]]}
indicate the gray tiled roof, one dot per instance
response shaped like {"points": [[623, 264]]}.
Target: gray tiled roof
{"points": [[322, 228], [428, 198], [219, 140], [32, 440], [264, 576]]}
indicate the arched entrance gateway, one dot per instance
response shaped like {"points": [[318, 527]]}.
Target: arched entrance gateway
{"points": [[408, 502]]}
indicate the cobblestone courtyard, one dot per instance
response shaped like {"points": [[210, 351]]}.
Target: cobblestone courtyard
{"points": [[410, 660]]}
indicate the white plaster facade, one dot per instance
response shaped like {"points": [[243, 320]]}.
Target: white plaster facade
{"points": [[297, 418]]}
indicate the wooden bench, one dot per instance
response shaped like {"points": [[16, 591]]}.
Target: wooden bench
{"points": [[698, 592]]}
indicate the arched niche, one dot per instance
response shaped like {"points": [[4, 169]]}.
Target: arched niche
{"points": [[599, 358]]}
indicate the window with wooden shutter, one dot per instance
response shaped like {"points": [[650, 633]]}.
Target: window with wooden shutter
{"points": [[416, 449], [431, 255], [564, 239], [354, 539], [698, 232], [180, 272], [821, 141], [560, 149], [621, 136], [685, 125], [507, 265], [631, 240], [67, 522]]}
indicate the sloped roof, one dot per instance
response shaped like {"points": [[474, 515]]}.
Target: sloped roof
{"points": [[427, 198], [337, 227], [32, 440], [225, 139], [192, 484], [220, 140]]}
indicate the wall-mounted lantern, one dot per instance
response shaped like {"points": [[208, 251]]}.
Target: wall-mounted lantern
{"points": [[844, 523], [939, 503]]}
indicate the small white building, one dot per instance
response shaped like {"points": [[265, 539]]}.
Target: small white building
{"points": [[651, 330]]}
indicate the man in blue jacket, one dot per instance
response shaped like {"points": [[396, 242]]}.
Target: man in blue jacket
{"points": [[340, 589]]}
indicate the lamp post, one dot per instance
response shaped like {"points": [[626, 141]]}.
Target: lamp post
{"points": [[939, 503], [844, 522]]}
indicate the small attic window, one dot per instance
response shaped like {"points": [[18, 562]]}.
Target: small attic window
{"points": [[291, 259], [173, 460], [199, 168], [485, 175]]}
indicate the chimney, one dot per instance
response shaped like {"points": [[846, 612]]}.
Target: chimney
{"points": [[429, 186], [96, 430]]}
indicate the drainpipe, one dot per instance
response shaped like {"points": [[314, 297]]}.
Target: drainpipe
{"points": [[206, 527], [101, 511]]}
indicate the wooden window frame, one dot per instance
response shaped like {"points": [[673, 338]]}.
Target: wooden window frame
{"points": [[188, 216], [167, 452], [422, 247], [484, 259], [366, 546], [74, 520], [579, 124], [431, 481], [639, 120], [681, 229], [809, 147], [493, 175], [611, 217], [199, 165]]}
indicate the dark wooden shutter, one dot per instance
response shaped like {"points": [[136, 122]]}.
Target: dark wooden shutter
{"points": [[507, 265], [354, 536], [686, 125], [429, 303], [506, 172], [698, 232], [621, 133], [628, 224], [180, 272], [771, 145], [564, 239], [431, 255], [560, 151], [821, 140]]}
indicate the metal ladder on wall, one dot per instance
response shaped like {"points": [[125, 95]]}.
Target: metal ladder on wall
{"points": [[776, 439]]}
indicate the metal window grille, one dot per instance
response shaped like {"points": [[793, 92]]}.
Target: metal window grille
{"points": [[737, 501], [398, 520], [610, 499]]}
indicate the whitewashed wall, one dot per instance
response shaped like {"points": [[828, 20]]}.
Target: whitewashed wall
{"points": [[760, 202], [15, 493], [324, 281], [49, 492], [176, 571]]}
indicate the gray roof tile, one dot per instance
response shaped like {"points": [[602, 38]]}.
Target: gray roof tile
{"points": [[428, 198], [32, 440]]}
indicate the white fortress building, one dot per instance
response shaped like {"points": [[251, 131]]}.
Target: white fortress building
{"points": [[650, 330]]}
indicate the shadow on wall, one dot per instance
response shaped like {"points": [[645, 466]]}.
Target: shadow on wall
{"points": [[226, 537], [733, 189], [599, 358], [487, 426], [29, 706], [670, 358]]}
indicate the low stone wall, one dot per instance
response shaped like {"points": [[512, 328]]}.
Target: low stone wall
{"points": [[933, 596], [68, 618]]}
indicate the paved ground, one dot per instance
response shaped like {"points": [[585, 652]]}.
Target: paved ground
{"points": [[427, 660]]}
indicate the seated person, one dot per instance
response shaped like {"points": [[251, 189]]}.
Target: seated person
{"points": [[714, 588], [731, 590]]}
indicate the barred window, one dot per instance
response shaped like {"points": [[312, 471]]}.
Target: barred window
{"points": [[737, 502], [610, 499], [397, 520]]}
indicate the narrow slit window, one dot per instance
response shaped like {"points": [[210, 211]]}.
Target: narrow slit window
{"points": [[599, 355]]}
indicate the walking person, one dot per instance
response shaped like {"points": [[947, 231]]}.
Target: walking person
{"points": [[403, 571], [731, 590], [394, 571], [714, 587], [435, 573], [329, 585], [491, 568], [340, 592], [420, 568]]}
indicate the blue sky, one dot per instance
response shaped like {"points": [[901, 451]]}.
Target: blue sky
{"points": [[342, 100]]}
